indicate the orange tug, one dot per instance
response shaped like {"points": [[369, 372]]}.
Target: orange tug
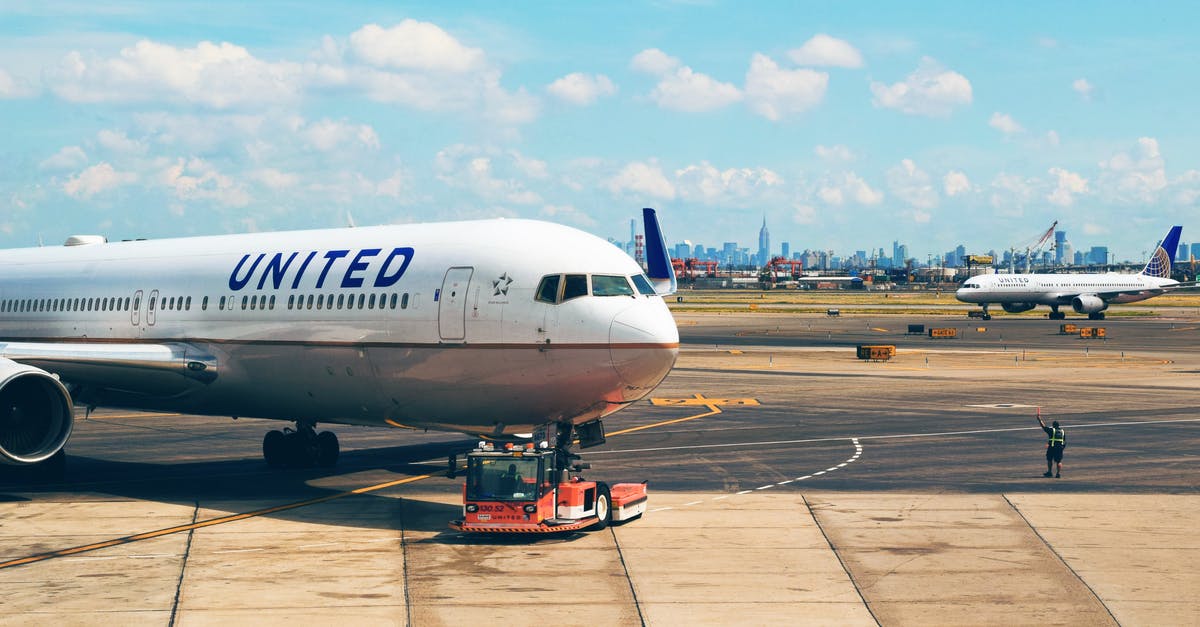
{"points": [[528, 489]]}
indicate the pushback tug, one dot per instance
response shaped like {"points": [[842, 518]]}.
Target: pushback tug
{"points": [[530, 489]]}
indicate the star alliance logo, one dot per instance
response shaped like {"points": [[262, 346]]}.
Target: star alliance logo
{"points": [[500, 285]]}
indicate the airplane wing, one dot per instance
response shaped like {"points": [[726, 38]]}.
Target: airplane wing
{"points": [[154, 369]]}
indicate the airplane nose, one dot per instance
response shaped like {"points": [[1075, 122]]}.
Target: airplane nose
{"points": [[643, 343]]}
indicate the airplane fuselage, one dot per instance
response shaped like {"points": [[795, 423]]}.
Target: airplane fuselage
{"points": [[425, 325], [1059, 289]]}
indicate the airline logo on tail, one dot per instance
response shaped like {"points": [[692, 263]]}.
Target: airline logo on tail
{"points": [[1164, 256]]}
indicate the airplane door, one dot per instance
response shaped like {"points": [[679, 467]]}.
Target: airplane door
{"points": [[452, 304], [135, 312], [151, 303]]}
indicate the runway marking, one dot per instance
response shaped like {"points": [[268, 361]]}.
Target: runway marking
{"points": [[700, 399], [204, 523], [133, 415], [1003, 406], [858, 449], [713, 405]]}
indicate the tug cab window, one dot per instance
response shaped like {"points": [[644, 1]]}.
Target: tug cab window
{"points": [[547, 291], [610, 285], [574, 286]]}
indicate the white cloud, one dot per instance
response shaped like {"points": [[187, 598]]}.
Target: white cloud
{"points": [[120, 143], [199, 180], [413, 45], [931, 91], [1068, 186], [848, 187], [14, 88], [692, 92], [1004, 123], [213, 75], [581, 89], [920, 217], [393, 186], [1083, 88], [654, 61], [97, 179], [823, 50], [1010, 194], [1135, 177], [67, 158], [835, 153], [569, 214], [327, 135], [275, 179], [775, 93], [955, 183], [912, 185], [491, 174], [804, 214], [1091, 228], [705, 183], [1052, 138], [642, 178]]}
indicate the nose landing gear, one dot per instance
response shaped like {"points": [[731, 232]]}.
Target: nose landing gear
{"points": [[300, 447]]}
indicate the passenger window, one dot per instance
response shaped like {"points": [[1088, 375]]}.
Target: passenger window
{"points": [[404, 301], [574, 286], [610, 285], [187, 305], [341, 298], [393, 301], [204, 304], [371, 302], [253, 304], [310, 301], [271, 303], [362, 298], [329, 302], [643, 285], [547, 291], [245, 301]]}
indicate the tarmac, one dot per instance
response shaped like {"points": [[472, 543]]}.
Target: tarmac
{"points": [[789, 482]]}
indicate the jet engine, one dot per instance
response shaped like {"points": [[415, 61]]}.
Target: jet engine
{"points": [[1017, 307], [36, 416], [1088, 304]]}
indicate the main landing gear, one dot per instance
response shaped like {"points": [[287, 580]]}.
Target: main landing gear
{"points": [[986, 315], [1055, 314], [301, 446], [1096, 316]]}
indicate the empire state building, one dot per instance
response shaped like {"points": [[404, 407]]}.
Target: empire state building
{"points": [[764, 243]]}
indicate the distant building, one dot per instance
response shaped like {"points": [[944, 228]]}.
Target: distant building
{"points": [[1078, 258], [764, 243], [787, 250], [1195, 251], [1060, 239], [1098, 255]]}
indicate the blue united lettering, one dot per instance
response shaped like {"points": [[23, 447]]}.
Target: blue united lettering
{"points": [[346, 268]]}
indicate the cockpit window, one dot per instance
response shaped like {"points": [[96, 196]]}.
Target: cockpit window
{"points": [[643, 285], [547, 291], [610, 285], [575, 286]]}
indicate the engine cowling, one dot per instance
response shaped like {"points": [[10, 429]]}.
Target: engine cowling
{"points": [[1017, 307], [36, 415], [1088, 304]]}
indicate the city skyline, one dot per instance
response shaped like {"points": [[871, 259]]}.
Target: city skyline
{"points": [[843, 122]]}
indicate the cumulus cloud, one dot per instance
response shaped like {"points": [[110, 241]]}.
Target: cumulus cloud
{"points": [[1138, 176], [912, 185], [930, 91], [97, 179], [679, 87], [581, 89], [13, 88], [414, 45], [213, 75], [804, 213], [705, 183], [1011, 193], [327, 135], [118, 142], [199, 180], [1004, 123], [955, 183], [67, 158], [492, 175], [642, 178], [654, 61], [1082, 87], [568, 214], [275, 179], [847, 188], [834, 153], [1068, 185], [823, 50], [775, 93]]}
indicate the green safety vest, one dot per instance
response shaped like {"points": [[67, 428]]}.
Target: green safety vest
{"points": [[1058, 437]]}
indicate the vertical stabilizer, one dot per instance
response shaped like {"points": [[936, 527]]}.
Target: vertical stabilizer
{"points": [[1164, 256], [658, 262]]}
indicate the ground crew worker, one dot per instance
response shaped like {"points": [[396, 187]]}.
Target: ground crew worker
{"points": [[1054, 446]]}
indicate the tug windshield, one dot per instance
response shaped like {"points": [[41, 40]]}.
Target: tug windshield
{"points": [[503, 478]]}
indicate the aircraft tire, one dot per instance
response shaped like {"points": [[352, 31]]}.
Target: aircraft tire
{"points": [[327, 449], [603, 507], [275, 448]]}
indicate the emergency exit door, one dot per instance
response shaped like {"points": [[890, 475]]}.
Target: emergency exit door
{"points": [[452, 304]]}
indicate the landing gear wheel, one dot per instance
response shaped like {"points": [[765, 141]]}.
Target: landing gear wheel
{"points": [[275, 449], [1096, 316], [987, 316], [603, 507], [327, 449], [1058, 315]]}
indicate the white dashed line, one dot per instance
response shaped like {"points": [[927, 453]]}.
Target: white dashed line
{"points": [[661, 509], [692, 503]]}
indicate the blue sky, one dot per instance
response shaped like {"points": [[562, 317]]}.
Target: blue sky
{"points": [[847, 124]]}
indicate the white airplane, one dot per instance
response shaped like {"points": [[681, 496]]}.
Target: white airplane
{"points": [[493, 327], [1085, 293]]}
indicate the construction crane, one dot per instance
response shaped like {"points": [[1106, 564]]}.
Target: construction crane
{"points": [[1030, 249]]}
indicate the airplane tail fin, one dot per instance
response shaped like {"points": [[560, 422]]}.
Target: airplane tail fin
{"points": [[658, 261], [1164, 256]]}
